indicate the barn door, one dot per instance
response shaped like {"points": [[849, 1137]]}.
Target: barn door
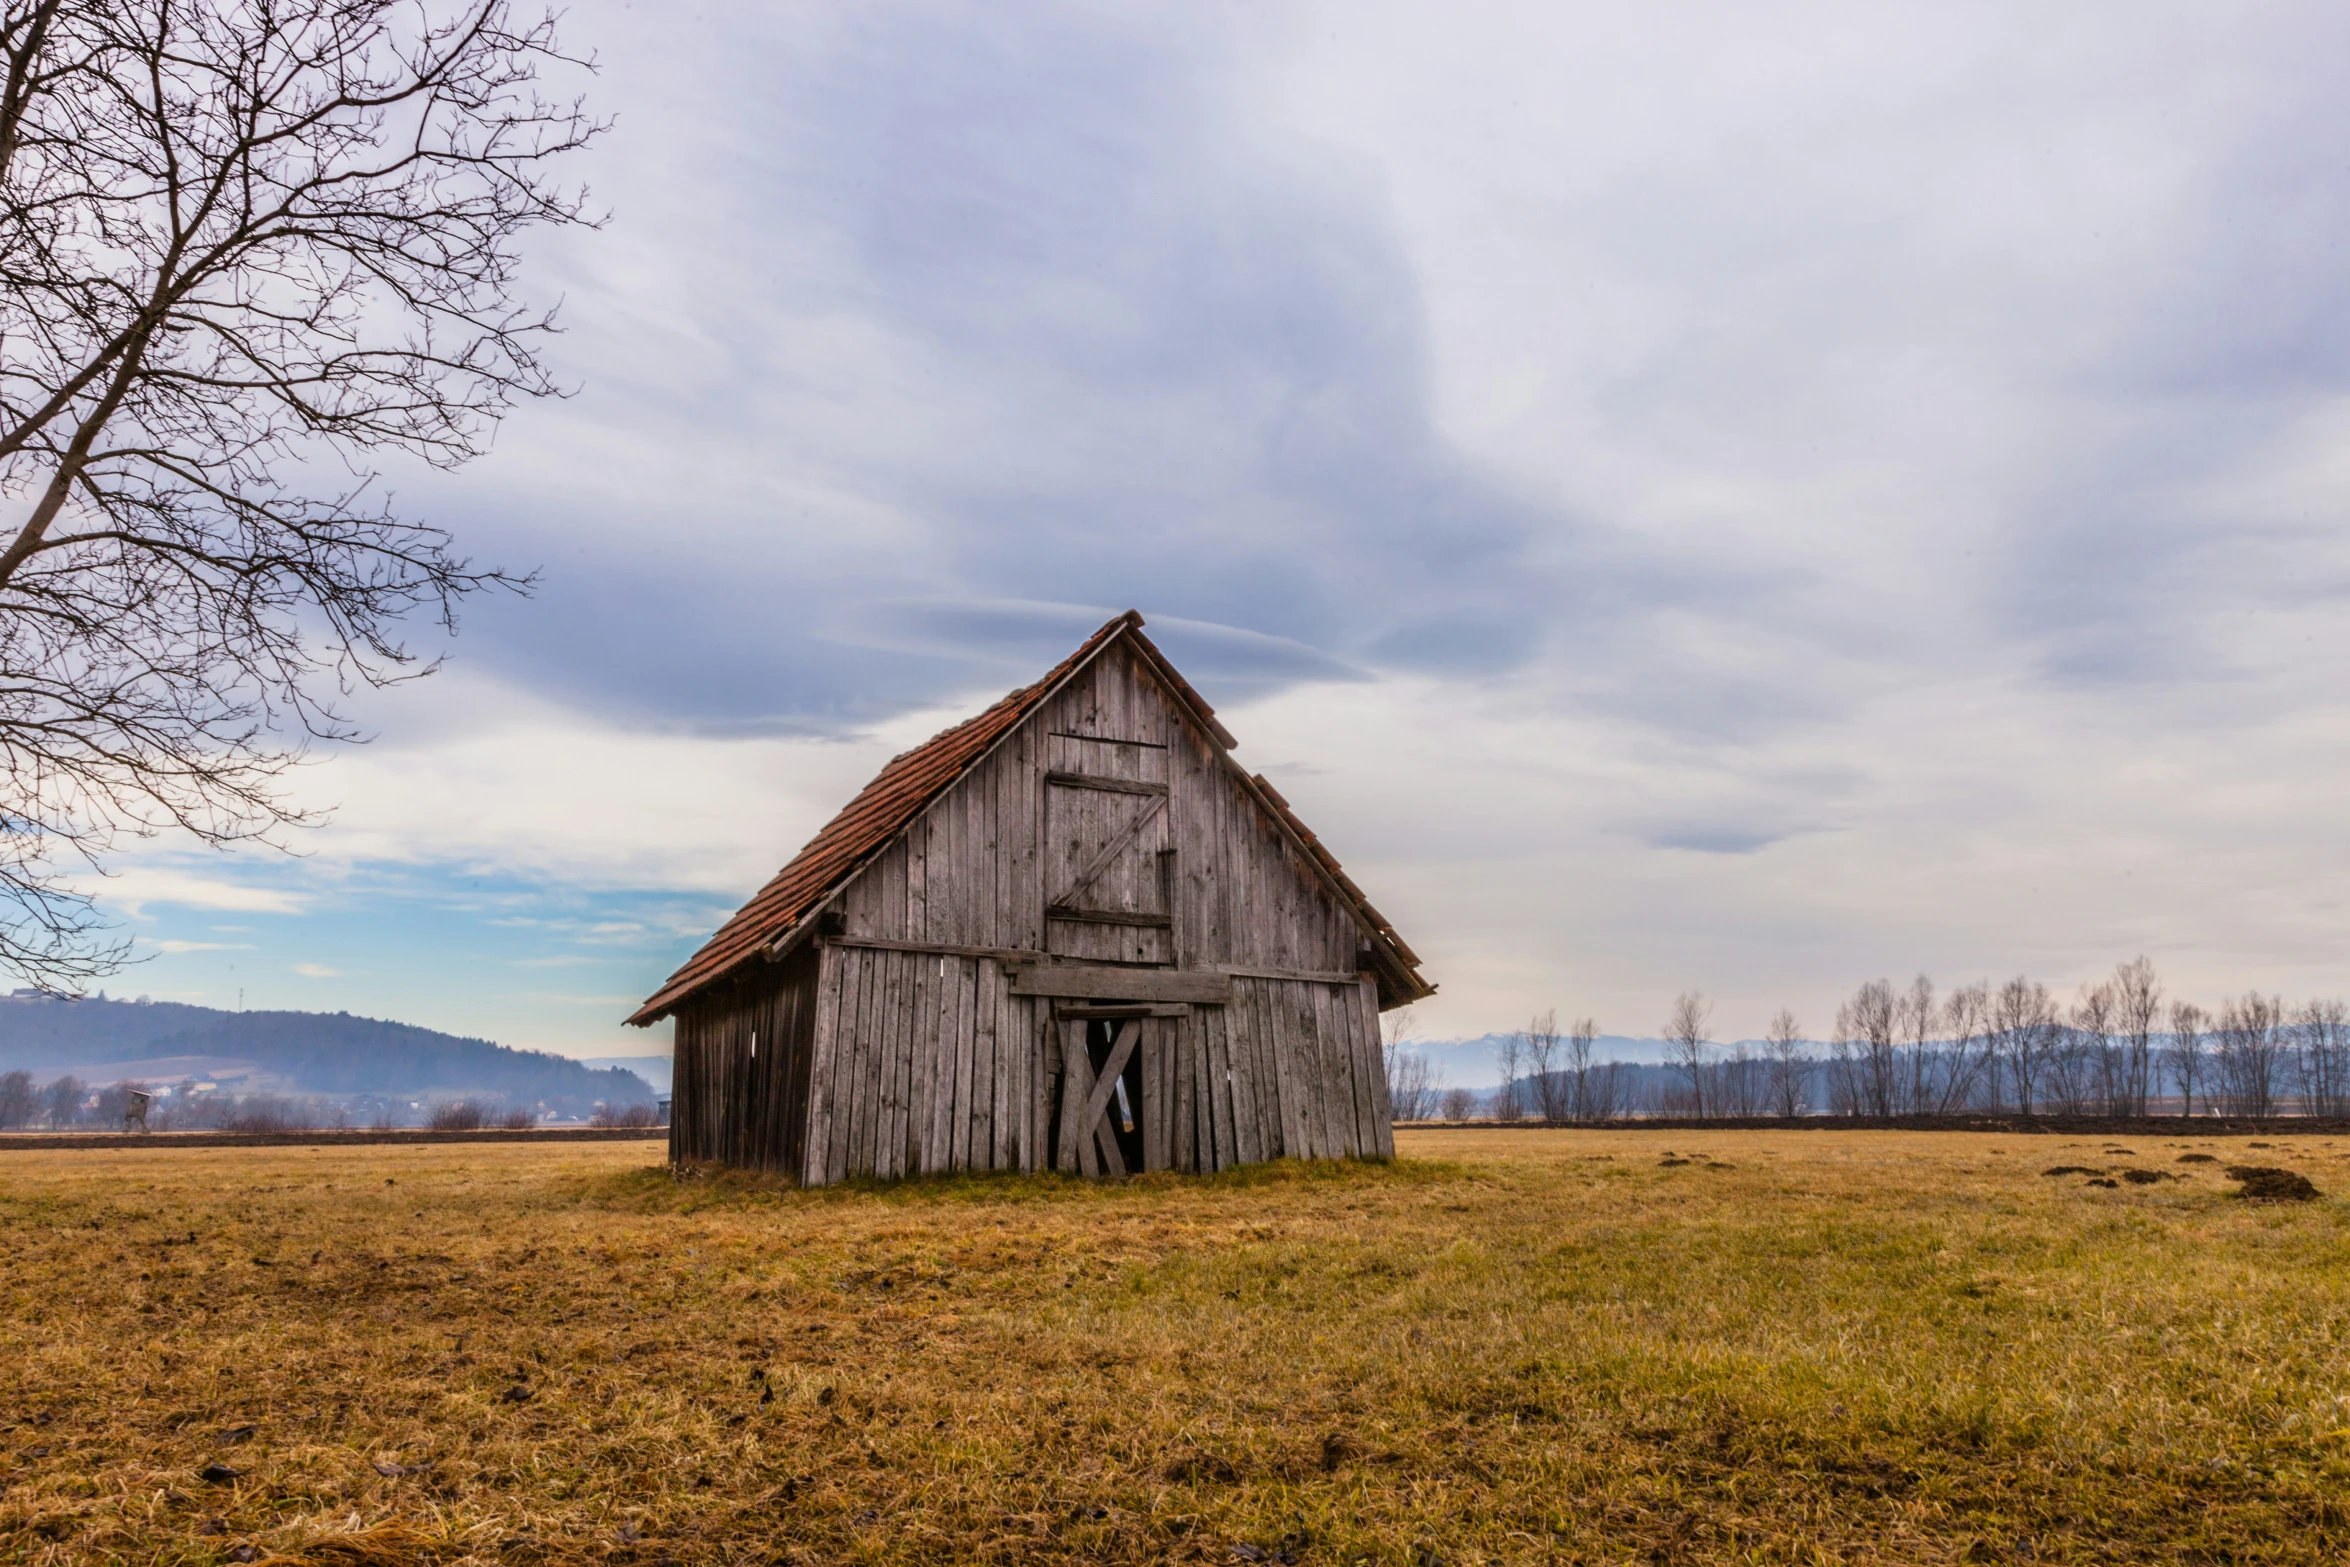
{"points": [[1116, 1111], [1108, 871]]}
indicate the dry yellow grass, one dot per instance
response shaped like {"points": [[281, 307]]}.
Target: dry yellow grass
{"points": [[1510, 1346]]}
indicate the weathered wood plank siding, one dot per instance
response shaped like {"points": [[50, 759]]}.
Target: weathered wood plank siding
{"points": [[744, 1059]]}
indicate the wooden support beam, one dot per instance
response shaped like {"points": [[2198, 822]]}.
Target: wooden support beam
{"points": [[1102, 982], [1007, 955], [1097, 781], [1080, 1012], [1076, 916], [1307, 976]]}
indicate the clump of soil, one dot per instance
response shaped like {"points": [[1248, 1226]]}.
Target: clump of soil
{"points": [[1196, 1468], [2147, 1177], [2260, 1145], [2103, 1181], [2126, 1153], [2070, 1169], [2198, 1158], [2266, 1183], [1667, 1163]]}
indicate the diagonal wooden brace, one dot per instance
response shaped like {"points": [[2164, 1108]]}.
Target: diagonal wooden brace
{"points": [[1092, 1124]]}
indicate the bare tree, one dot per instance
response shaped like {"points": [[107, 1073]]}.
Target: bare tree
{"points": [[1542, 1060], [2248, 1054], [1412, 1080], [1686, 1046], [2023, 1020], [1413, 1084], [1915, 1014], [62, 1100], [1581, 1039], [1868, 1026], [18, 1101], [246, 251], [1458, 1104], [2184, 1052], [2091, 1069], [2321, 1058], [1968, 1062], [1842, 1074], [1738, 1083], [1509, 1101], [1789, 1071], [2137, 1013]]}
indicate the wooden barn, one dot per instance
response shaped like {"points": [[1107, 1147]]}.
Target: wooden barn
{"points": [[1069, 934]]}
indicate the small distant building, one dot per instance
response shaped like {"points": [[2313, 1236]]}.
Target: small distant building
{"points": [[1069, 934]]}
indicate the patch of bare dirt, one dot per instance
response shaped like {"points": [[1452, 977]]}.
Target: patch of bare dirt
{"points": [[2266, 1183]]}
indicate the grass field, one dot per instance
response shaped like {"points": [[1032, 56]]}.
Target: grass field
{"points": [[1509, 1346]]}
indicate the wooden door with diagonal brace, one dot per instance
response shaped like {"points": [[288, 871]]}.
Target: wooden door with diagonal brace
{"points": [[1117, 1095], [1108, 864]]}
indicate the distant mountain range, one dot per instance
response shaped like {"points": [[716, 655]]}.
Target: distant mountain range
{"points": [[162, 1042]]}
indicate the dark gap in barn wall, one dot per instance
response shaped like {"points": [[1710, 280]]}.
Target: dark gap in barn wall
{"points": [[740, 1090], [1125, 1114]]}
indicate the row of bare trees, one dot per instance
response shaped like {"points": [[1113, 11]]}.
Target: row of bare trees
{"points": [[1556, 1076], [2116, 1048]]}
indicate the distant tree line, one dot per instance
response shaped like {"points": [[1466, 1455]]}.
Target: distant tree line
{"points": [[2116, 1049], [66, 1103]]}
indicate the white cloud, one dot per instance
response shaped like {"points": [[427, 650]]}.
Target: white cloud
{"points": [[317, 971], [534, 789], [139, 883], [176, 946]]}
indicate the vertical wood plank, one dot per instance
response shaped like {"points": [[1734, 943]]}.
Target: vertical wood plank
{"points": [[914, 1010], [1287, 1091], [955, 1134], [1225, 1097], [1151, 1114], [829, 1153], [1336, 1073], [1382, 1108], [922, 1079], [1075, 1153], [863, 1061], [1246, 1087], [1346, 1035], [1337, 1119], [1183, 1102], [982, 1140], [947, 1097], [889, 997], [1042, 1090]]}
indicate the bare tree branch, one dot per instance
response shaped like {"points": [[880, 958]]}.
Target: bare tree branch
{"points": [[247, 250]]}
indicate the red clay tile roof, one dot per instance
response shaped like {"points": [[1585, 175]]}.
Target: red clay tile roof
{"points": [[868, 823]]}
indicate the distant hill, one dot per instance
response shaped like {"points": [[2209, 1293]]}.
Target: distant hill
{"points": [[311, 1052]]}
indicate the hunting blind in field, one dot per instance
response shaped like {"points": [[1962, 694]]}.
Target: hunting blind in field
{"points": [[1069, 934]]}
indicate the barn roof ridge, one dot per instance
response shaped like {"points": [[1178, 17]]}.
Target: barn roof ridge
{"points": [[910, 781]]}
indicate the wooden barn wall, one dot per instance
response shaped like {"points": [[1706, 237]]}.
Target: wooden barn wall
{"points": [[924, 1061], [739, 1082]]}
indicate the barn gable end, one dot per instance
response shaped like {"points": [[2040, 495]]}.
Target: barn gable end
{"points": [[1089, 942]]}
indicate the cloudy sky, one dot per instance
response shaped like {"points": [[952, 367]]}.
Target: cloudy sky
{"points": [[1681, 495]]}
